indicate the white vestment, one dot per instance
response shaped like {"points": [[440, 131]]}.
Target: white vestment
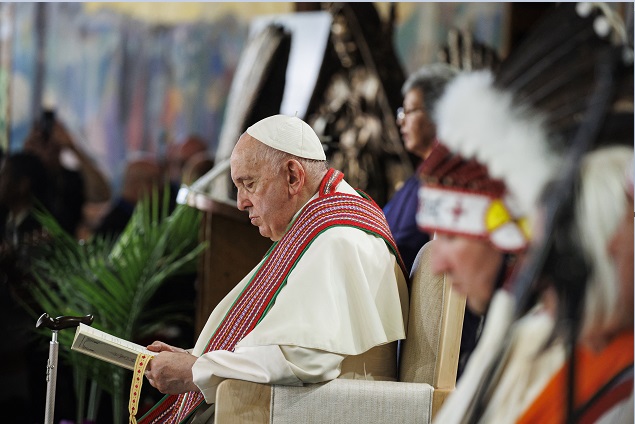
{"points": [[345, 295]]}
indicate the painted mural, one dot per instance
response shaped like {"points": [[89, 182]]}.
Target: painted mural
{"points": [[124, 85]]}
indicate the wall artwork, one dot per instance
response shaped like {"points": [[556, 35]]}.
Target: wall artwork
{"points": [[123, 85]]}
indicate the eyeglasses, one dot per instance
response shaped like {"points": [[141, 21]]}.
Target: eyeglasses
{"points": [[401, 112]]}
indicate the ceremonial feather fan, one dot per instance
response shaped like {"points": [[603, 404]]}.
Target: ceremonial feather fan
{"points": [[556, 69]]}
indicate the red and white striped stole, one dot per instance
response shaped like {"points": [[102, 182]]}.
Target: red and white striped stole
{"points": [[329, 209]]}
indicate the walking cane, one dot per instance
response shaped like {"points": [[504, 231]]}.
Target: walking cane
{"points": [[56, 324]]}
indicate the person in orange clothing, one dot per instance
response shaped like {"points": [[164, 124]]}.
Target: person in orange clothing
{"points": [[603, 362]]}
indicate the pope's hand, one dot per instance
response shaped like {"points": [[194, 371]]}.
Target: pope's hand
{"points": [[170, 371], [158, 346]]}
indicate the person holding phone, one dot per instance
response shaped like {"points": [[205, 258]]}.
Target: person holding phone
{"points": [[71, 188]]}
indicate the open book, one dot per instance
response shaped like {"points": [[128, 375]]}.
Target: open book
{"points": [[107, 347]]}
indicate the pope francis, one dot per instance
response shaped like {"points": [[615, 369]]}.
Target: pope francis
{"points": [[332, 285]]}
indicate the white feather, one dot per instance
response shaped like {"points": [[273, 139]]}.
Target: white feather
{"points": [[479, 121]]}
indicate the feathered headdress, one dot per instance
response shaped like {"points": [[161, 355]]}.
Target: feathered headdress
{"points": [[480, 121], [460, 197]]}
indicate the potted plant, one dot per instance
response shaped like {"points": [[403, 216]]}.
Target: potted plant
{"points": [[114, 279]]}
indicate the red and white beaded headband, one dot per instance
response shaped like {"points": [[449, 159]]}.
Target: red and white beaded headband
{"points": [[456, 211]]}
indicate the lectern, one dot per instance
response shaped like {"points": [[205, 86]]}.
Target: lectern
{"points": [[234, 247]]}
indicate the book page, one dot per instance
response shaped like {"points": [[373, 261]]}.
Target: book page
{"points": [[107, 347]]}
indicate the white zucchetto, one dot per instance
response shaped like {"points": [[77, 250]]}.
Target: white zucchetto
{"points": [[288, 134]]}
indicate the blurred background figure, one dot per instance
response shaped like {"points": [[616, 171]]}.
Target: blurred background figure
{"points": [[178, 155], [24, 185], [70, 189], [415, 119], [418, 131], [196, 166], [141, 176]]}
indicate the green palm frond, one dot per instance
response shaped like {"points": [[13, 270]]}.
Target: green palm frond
{"points": [[114, 279]]}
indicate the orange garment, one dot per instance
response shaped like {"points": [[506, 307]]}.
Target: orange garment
{"points": [[593, 371]]}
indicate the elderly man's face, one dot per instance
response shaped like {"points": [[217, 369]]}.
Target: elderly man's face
{"points": [[263, 189], [472, 265]]}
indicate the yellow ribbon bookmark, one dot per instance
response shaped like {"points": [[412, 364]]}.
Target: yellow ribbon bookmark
{"points": [[135, 387]]}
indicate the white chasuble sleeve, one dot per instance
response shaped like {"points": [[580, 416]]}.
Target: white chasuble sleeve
{"points": [[288, 365]]}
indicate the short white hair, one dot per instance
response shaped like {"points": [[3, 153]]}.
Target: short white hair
{"points": [[599, 209], [314, 169]]}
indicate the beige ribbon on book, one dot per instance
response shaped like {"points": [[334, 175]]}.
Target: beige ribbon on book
{"points": [[135, 386]]}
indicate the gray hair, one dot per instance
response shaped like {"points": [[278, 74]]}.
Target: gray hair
{"points": [[431, 81], [314, 169], [599, 209]]}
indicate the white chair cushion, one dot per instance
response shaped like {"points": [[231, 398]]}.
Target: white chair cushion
{"points": [[358, 401]]}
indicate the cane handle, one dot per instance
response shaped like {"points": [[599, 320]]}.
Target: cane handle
{"points": [[60, 323]]}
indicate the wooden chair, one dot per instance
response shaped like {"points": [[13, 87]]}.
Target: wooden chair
{"points": [[427, 374]]}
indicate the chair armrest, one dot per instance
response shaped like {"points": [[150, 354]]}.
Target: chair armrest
{"points": [[243, 402]]}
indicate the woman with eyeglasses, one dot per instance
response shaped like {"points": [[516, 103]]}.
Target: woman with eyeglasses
{"points": [[418, 131], [421, 92]]}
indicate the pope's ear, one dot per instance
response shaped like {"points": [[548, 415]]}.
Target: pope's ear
{"points": [[295, 176]]}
